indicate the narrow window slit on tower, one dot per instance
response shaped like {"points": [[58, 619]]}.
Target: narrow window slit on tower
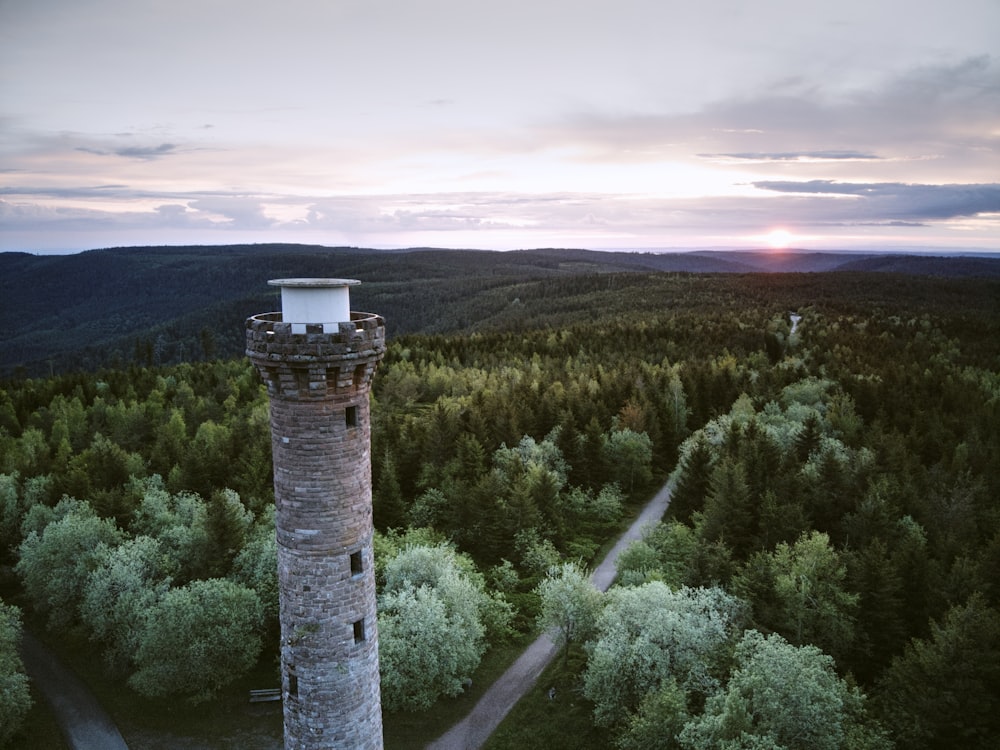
{"points": [[359, 631], [359, 375], [332, 373], [301, 378], [351, 416], [293, 684], [274, 378], [357, 567]]}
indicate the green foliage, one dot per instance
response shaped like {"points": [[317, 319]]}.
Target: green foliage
{"points": [[570, 605], [428, 646], [180, 522], [149, 306], [876, 425], [121, 593], [256, 567], [658, 722], [55, 565], [198, 639], [942, 692], [668, 552], [434, 615], [15, 697], [227, 526], [691, 479], [800, 592], [12, 511], [650, 636], [629, 458], [782, 696]]}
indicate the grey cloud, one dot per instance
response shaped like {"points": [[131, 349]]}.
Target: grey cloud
{"points": [[917, 224], [826, 155], [819, 203], [892, 201], [147, 153], [944, 114], [921, 105], [242, 212], [132, 152], [88, 191], [90, 150], [900, 201]]}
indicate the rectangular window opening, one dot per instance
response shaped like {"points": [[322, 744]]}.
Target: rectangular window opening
{"points": [[359, 631], [357, 566], [293, 684], [359, 374], [301, 378], [274, 379], [351, 416]]}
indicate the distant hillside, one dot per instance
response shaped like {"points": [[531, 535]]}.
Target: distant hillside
{"points": [[154, 305], [959, 267]]}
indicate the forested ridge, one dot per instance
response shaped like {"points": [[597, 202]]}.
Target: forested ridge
{"points": [[153, 306], [833, 527]]}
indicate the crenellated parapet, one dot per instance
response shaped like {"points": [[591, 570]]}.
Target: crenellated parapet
{"points": [[312, 361]]}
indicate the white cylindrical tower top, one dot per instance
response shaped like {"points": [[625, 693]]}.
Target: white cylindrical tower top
{"points": [[316, 301]]}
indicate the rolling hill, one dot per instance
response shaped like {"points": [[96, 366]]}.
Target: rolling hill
{"points": [[152, 305]]}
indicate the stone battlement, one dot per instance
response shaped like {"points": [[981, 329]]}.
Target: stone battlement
{"points": [[318, 363], [268, 337]]}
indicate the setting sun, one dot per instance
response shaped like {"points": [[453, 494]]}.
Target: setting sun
{"points": [[779, 238]]}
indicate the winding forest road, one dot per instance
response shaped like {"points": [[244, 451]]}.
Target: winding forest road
{"points": [[473, 731]]}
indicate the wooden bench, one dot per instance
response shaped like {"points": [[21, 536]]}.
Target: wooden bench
{"points": [[264, 696]]}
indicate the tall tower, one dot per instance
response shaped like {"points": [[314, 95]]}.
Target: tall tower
{"points": [[318, 358]]}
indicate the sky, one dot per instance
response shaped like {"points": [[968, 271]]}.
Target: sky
{"points": [[624, 124]]}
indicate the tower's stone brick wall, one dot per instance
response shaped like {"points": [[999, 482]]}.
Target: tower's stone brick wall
{"points": [[319, 384]]}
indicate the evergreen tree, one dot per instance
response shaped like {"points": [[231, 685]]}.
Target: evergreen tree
{"points": [[942, 692], [693, 481]]}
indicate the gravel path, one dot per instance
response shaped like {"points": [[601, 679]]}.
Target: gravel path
{"points": [[83, 722], [473, 731]]}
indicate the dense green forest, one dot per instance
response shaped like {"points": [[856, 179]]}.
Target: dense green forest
{"points": [[154, 306], [834, 524]]}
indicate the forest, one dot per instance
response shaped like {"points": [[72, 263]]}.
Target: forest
{"points": [[825, 576], [156, 306]]}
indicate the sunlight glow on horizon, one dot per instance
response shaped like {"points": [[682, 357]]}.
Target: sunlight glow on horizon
{"points": [[779, 239]]}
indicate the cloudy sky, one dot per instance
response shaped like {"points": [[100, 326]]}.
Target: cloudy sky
{"points": [[500, 124]]}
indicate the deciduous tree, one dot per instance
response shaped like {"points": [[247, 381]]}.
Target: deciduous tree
{"points": [[56, 563], [434, 615], [197, 639], [783, 696], [570, 605], [649, 636], [120, 594], [15, 697]]}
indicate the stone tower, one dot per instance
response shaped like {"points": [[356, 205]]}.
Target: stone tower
{"points": [[317, 359]]}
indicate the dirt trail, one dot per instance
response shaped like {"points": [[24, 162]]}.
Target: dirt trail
{"points": [[473, 731], [85, 725]]}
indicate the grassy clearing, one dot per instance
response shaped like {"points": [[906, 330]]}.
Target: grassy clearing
{"points": [[560, 723], [230, 722], [409, 731], [39, 731]]}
